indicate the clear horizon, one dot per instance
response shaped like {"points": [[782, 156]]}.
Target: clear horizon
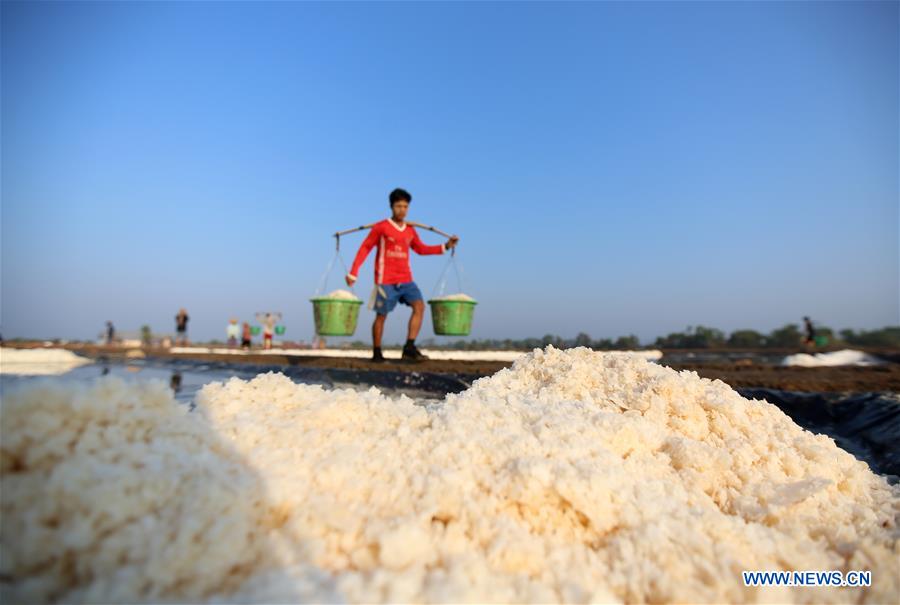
{"points": [[611, 168]]}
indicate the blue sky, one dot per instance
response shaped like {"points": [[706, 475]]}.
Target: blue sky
{"points": [[611, 168]]}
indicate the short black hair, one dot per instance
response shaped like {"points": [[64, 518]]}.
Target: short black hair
{"points": [[398, 195]]}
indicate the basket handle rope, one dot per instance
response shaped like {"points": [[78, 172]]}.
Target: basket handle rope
{"points": [[323, 282], [442, 280]]}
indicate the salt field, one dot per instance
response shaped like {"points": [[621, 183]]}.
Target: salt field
{"points": [[573, 476], [388, 353], [57, 361], [185, 379], [184, 382], [46, 362]]}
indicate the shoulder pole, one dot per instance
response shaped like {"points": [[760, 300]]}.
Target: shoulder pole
{"points": [[430, 228], [337, 236]]}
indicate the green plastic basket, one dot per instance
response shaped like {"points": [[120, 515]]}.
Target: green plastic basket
{"points": [[821, 341], [452, 317], [335, 317], [279, 330], [255, 330]]}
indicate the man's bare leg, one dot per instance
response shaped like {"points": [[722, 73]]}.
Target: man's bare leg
{"points": [[415, 320], [410, 352], [378, 330]]}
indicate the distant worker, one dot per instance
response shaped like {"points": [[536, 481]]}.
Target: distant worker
{"points": [[393, 276], [181, 322], [110, 333], [246, 336], [175, 382], [810, 339], [233, 331], [268, 321], [268, 331]]}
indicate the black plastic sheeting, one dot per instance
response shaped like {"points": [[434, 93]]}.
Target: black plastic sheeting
{"points": [[429, 383], [867, 424]]}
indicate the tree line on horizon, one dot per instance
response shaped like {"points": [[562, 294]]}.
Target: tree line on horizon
{"points": [[694, 337]]}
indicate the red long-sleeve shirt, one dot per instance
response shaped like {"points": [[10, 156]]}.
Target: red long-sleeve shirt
{"points": [[392, 259]]}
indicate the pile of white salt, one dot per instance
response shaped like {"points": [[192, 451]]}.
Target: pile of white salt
{"points": [[34, 362], [342, 295], [574, 476], [459, 297]]}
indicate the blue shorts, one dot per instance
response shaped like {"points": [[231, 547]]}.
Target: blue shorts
{"points": [[388, 296]]}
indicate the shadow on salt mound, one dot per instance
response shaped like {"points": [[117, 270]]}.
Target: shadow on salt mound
{"points": [[152, 503], [39, 362], [845, 357]]}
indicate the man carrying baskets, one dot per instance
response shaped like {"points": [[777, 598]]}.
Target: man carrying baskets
{"points": [[393, 277]]}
